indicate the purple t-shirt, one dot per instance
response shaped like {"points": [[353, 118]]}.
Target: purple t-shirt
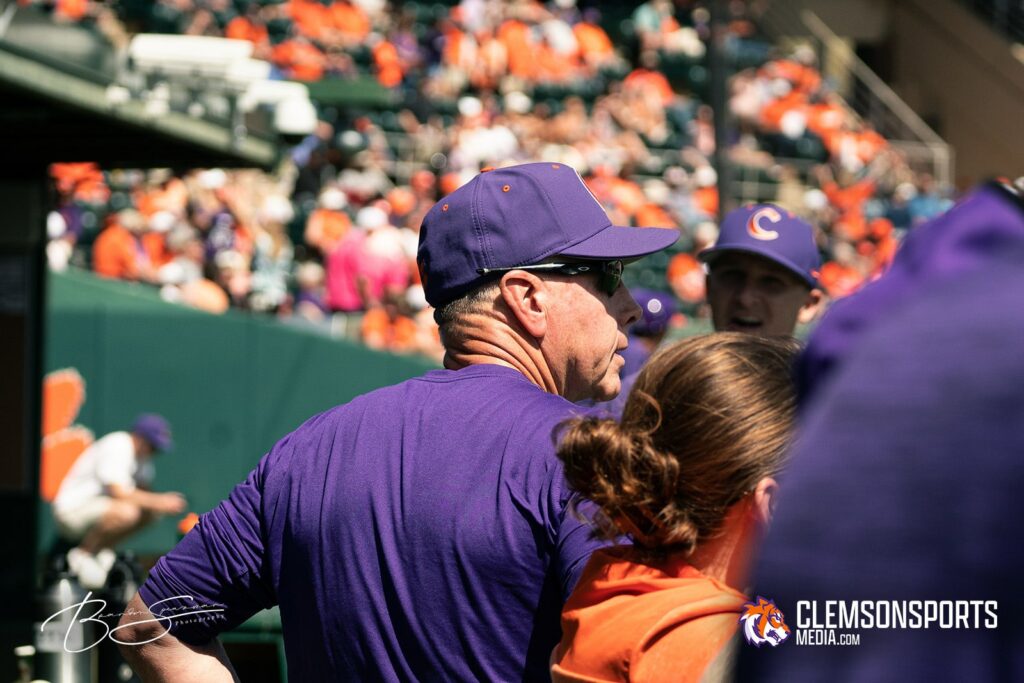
{"points": [[418, 532]]}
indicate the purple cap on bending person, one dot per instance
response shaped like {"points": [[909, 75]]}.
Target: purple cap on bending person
{"points": [[771, 232], [519, 216], [154, 429]]}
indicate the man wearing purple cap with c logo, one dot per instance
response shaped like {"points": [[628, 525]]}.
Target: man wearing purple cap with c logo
{"points": [[763, 272], [423, 531], [762, 278]]}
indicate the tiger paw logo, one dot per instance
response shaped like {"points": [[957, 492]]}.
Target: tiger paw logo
{"points": [[763, 623]]}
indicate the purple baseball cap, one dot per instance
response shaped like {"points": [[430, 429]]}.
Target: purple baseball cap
{"points": [[773, 233], [658, 309], [154, 429], [520, 216]]}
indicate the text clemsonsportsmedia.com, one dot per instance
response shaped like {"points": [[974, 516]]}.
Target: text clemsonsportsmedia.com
{"points": [[823, 622]]}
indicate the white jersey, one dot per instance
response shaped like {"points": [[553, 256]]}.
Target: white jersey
{"points": [[109, 460]]}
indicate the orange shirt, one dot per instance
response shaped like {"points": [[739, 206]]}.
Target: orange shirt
{"points": [[850, 198], [635, 622], [626, 195], [595, 45], [156, 249], [325, 228], [301, 61], [772, 112], [804, 78], [381, 332], [75, 10], [839, 280], [116, 254], [84, 179], [515, 36], [852, 226], [651, 215], [824, 118], [389, 67], [455, 49], [240, 28], [311, 18], [552, 65], [173, 197], [350, 19], [685, 275], [869, 145], [706, 199]]}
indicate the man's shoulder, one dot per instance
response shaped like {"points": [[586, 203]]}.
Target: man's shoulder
{"points": [[496, 382], [500, 394], [113, 441]]}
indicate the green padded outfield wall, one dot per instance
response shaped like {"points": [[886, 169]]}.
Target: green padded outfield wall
{"points": [[231, 385]]}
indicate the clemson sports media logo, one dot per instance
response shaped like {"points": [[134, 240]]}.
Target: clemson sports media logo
{"points": [[755, 229], [763, 623]]}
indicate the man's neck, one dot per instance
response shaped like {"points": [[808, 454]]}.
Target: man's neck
{"points": [[484, 340]]}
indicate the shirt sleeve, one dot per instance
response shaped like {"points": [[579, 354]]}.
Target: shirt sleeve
{"points": [[576, 541], [220, 565]]}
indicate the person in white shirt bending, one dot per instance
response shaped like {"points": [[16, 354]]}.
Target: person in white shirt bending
{"points": [[105, 498]]}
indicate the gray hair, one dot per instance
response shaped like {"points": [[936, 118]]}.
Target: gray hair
{"points": [[451, 313]]}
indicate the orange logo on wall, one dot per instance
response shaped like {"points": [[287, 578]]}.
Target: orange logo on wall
{"points": [[63, 441]]}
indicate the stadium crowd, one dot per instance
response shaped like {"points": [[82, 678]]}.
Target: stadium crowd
{"points": [[329, 238]]}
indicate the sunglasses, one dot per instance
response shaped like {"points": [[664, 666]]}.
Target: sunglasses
{"points": [[609, 272]]}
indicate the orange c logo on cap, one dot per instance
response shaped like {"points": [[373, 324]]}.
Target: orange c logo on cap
{"points": [[754, 224]]}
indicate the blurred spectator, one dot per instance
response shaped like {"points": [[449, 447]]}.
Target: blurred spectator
{"points": [[328, 224], [231, 273], [119, 252], [298, 58], [272, 255], [595, 46], [248, 26], [187, 257], [368, 266], [309, 300], [926, 202]]}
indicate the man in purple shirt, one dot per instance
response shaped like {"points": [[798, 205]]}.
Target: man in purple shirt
{"points": [[422, 531]]}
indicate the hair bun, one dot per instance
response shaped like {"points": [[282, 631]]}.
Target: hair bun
{"points": [[591, 447], [623, 472]]}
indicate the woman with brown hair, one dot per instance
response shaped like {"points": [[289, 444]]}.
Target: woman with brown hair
{"points": [[689, 476]]}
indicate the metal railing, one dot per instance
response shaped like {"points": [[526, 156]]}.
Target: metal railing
{"points": [[867, 96]]}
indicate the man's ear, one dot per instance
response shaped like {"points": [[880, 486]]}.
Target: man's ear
{"points": [[812, 306], [764, 498], [527, 297]]}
